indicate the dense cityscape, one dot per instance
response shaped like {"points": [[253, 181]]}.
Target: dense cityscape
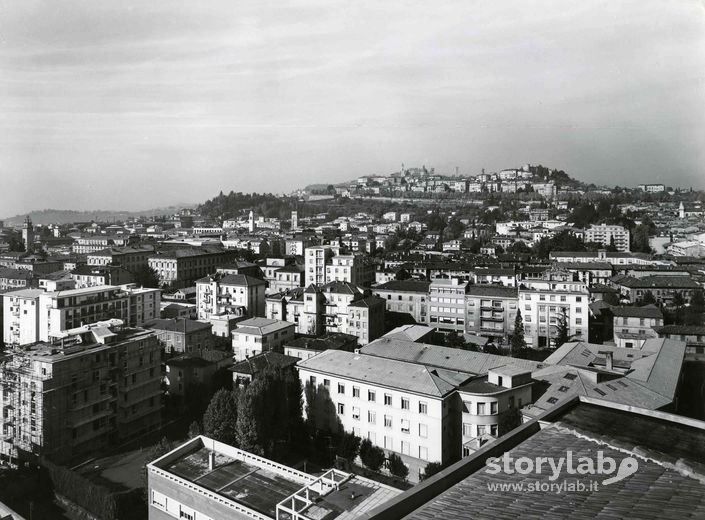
{"points": [[333, 260], [348, 342]]}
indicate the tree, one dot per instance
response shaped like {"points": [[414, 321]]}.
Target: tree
{"points": [[697, 300], [348, 446], [194, 430], [562, 329], [431, 469], [372, 456], [678, 300], [270, 412], [146, 276], [221, 417], [397, 466], [648, 298], [518, 341]]}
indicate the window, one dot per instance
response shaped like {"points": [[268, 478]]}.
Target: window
{"points": [[480, 408], [423, 408], [388, 399], [356, 413], [493, 408], [313, 380], [326, 383], [356, 391], [405, 426], [404, 403], [481, 428], [341, 409], [493, 430], [423, 430], [423, 453], [371, 417], [387, 421], [552, 400], [341, 388], [371, 396]]}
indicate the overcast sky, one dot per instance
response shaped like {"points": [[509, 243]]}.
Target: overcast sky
{"points": [[133, 105]]}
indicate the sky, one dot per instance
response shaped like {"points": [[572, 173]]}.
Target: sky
{"points": [[135, 105]]}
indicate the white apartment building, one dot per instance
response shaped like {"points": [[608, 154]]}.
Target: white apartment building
{"points": [[36, 316], [401, 407], [607, 234], [543, 301], [257, 335], [350, 268], [315, 261], [20, 316], [447, 304], [236, 294]]}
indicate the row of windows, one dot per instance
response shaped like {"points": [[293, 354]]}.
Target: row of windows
{"points": [[405, 402], [405, 424]]}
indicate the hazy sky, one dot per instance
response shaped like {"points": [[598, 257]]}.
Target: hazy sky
{"points": [[132, 105]]}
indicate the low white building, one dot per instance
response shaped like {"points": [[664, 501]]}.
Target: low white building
{"points": [[258, 335]]}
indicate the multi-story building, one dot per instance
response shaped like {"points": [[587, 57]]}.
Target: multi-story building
{"points": [[632, 326], [237, 294], [303, 307], [88, 389], [183, 335], [182, 267], [338, 297], [256, 335], [130, 258], [84, 245], [20, 316], [652, 188], [263, 490], [605, 234], [57, 311], [350, 268], [366, 318], [491, 404], [286, 278], [406, 297], [662, 288], [406, 408], [315, 259], [447, 304], [13, 279], [95, 276], [491, 311], [545, 302]]}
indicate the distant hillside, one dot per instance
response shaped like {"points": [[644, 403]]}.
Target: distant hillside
{"points": [[66, 216]]}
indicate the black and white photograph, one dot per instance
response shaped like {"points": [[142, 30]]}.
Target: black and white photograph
{"points": [[337, 260]]}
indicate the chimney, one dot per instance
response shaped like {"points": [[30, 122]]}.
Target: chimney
{"points": [[609, 360], [211, 460]]}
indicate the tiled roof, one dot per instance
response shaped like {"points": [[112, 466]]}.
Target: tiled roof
{"points": [[647, 311], [658, 489], [390, 373], [177, 325], [420, 286], [658, 282], [369, 301], [261, 325], [493, 290], [442, 357], [263, 361]]}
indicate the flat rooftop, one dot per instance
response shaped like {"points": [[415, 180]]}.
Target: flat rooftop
{"points": [[265, 486]]}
